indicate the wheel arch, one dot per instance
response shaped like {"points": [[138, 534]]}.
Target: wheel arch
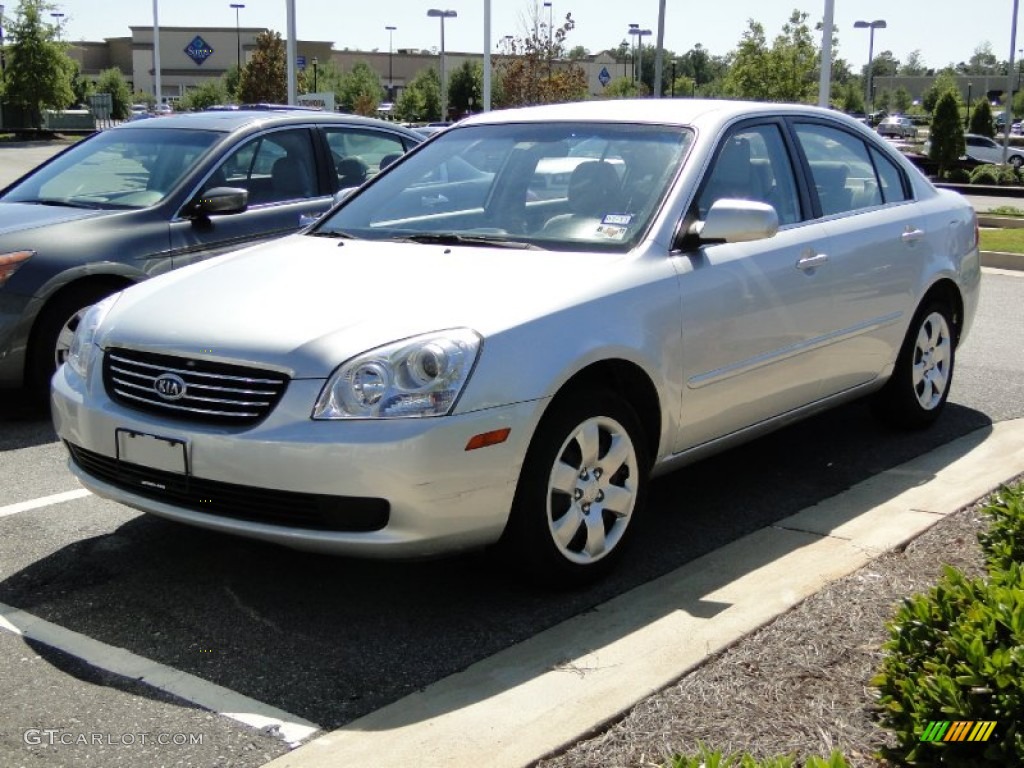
{"points": [[947, 291], [629, 381]]}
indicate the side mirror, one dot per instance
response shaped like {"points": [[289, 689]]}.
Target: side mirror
{"points": [[736, 221], [221, 200]]}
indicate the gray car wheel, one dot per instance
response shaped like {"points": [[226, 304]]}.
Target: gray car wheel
{"points": [[917, 391], [582, 486], [1016, 161]]}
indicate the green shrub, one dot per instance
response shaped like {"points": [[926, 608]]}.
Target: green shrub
{"points": [[958, 176], [985, 174], [957, 653], [1003, 542], [1008, 175], [707, 758]]}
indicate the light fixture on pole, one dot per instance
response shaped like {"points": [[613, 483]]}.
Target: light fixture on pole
{"points": [[391, 69], [315, 62], [238, 35], [640, 35], [871, 25], [548, 5], [57, 16], [442, 15], [632, 52]]}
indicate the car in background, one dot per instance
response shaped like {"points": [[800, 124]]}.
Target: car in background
{"points": [[448, 360], [897, 127], [431, 128], [150, 196], [982, 149]]}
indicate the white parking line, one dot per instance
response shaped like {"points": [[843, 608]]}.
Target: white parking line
{"points": [[211, 696], [44, 501]]}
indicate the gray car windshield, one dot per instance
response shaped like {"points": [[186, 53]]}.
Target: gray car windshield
{"points": [[124, 168], [574, 186]]}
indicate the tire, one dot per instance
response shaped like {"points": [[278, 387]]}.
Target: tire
{"points": [[916, 393], [582, 486], [52, 334], [1016, 161]]}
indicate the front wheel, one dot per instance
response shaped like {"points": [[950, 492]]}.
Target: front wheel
{"points": [[581, 488], [1016, 161], [917, 391], [53, 332]]}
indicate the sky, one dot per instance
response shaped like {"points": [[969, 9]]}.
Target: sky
{"points": [[945, 31]]}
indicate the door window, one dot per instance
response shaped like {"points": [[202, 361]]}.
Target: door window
{"points": [[360, 154], [844, 176], [275, 167], [753, 164]]}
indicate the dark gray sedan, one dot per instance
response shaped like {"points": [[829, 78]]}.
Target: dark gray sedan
{"points": [[154, 195]]}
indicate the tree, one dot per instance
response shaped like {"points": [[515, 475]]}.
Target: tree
{"points": [[624, 88], [883, 65], [112, 81], [850, 97], [81, 86], [232, 77], [787, 71], [39, 73], [359, 91], [466, 87], [902, 100], [981, 119], [421, 98], [578, 53], [205, 95], [945, 82], [914, 66], [264, 78], [538, 72], [947, 133]]}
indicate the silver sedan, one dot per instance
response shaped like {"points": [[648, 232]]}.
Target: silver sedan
{"points": [[502, 337]]}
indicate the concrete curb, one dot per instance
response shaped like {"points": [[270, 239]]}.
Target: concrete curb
{"points": [[548, 692], [1002, 260]]}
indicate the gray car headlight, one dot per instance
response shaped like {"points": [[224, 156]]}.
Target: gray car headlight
{"points": [[416, 377], [83, 345]]}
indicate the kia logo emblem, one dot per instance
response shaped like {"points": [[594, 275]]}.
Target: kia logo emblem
{"points": [[170, 386]]}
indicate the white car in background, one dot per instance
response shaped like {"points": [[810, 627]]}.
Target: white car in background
{"points": [[986, 150], [450, 360]]}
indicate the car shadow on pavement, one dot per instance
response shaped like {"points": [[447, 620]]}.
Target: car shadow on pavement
{"points": [[331, 639]]}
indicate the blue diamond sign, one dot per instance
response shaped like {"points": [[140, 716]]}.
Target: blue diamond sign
{"points": [[198, 50], [604, 76]]}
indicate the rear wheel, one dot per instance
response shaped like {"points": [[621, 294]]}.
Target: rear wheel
{"points": [[917, 391], [53, 332], [1016, 161], [581, 488]]}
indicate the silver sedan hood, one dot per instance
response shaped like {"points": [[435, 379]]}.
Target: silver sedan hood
{"points": [[305, 304]]}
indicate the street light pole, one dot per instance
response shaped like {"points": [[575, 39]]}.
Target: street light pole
{"points": [[315, 62], [57, 16], [442, 15], [238, 35], [632, 52], [3, 60], [872, 26], [550, 20], [967, 117], [391, 69], [640, 35]]}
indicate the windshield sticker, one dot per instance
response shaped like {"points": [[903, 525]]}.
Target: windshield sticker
{"points": [[611, 232], [622, 219]]}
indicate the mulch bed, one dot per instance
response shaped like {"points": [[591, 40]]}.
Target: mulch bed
{"points": [[798, 686]]}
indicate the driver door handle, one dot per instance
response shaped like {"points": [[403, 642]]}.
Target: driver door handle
{"points": [[811, 260]]}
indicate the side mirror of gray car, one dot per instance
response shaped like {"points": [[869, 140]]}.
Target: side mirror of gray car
{"points": [[221, 200], [736, 221]]}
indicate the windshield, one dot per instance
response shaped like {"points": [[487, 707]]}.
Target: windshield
{"points": [[124, 168], [551, 185]]}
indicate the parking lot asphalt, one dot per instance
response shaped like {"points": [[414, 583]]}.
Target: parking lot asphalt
{"points": [[548, 692]]}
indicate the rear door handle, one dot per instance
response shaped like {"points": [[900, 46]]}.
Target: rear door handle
{"points": [[811, 261], [912, 235]]}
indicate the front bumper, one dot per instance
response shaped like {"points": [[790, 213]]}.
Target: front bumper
{"points": [[438, 497]]}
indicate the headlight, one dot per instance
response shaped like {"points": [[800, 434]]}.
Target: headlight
{"points": [[421, 376], [83, 346]]}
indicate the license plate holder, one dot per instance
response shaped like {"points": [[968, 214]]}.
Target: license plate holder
{"points": [[166, 454]]}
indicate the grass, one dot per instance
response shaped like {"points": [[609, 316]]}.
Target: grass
{"points": [[1006, 210], [1003, 240]]}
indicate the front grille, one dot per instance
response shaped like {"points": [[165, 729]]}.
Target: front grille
{"points": [[310, 511], [218, 393]]}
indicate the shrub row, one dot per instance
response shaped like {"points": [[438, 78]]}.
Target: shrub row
{"points": [[957, 654]]}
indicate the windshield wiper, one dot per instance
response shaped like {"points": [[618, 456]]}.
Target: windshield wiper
{"points": [[341, 235], [451, 238], [61, 203]]}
